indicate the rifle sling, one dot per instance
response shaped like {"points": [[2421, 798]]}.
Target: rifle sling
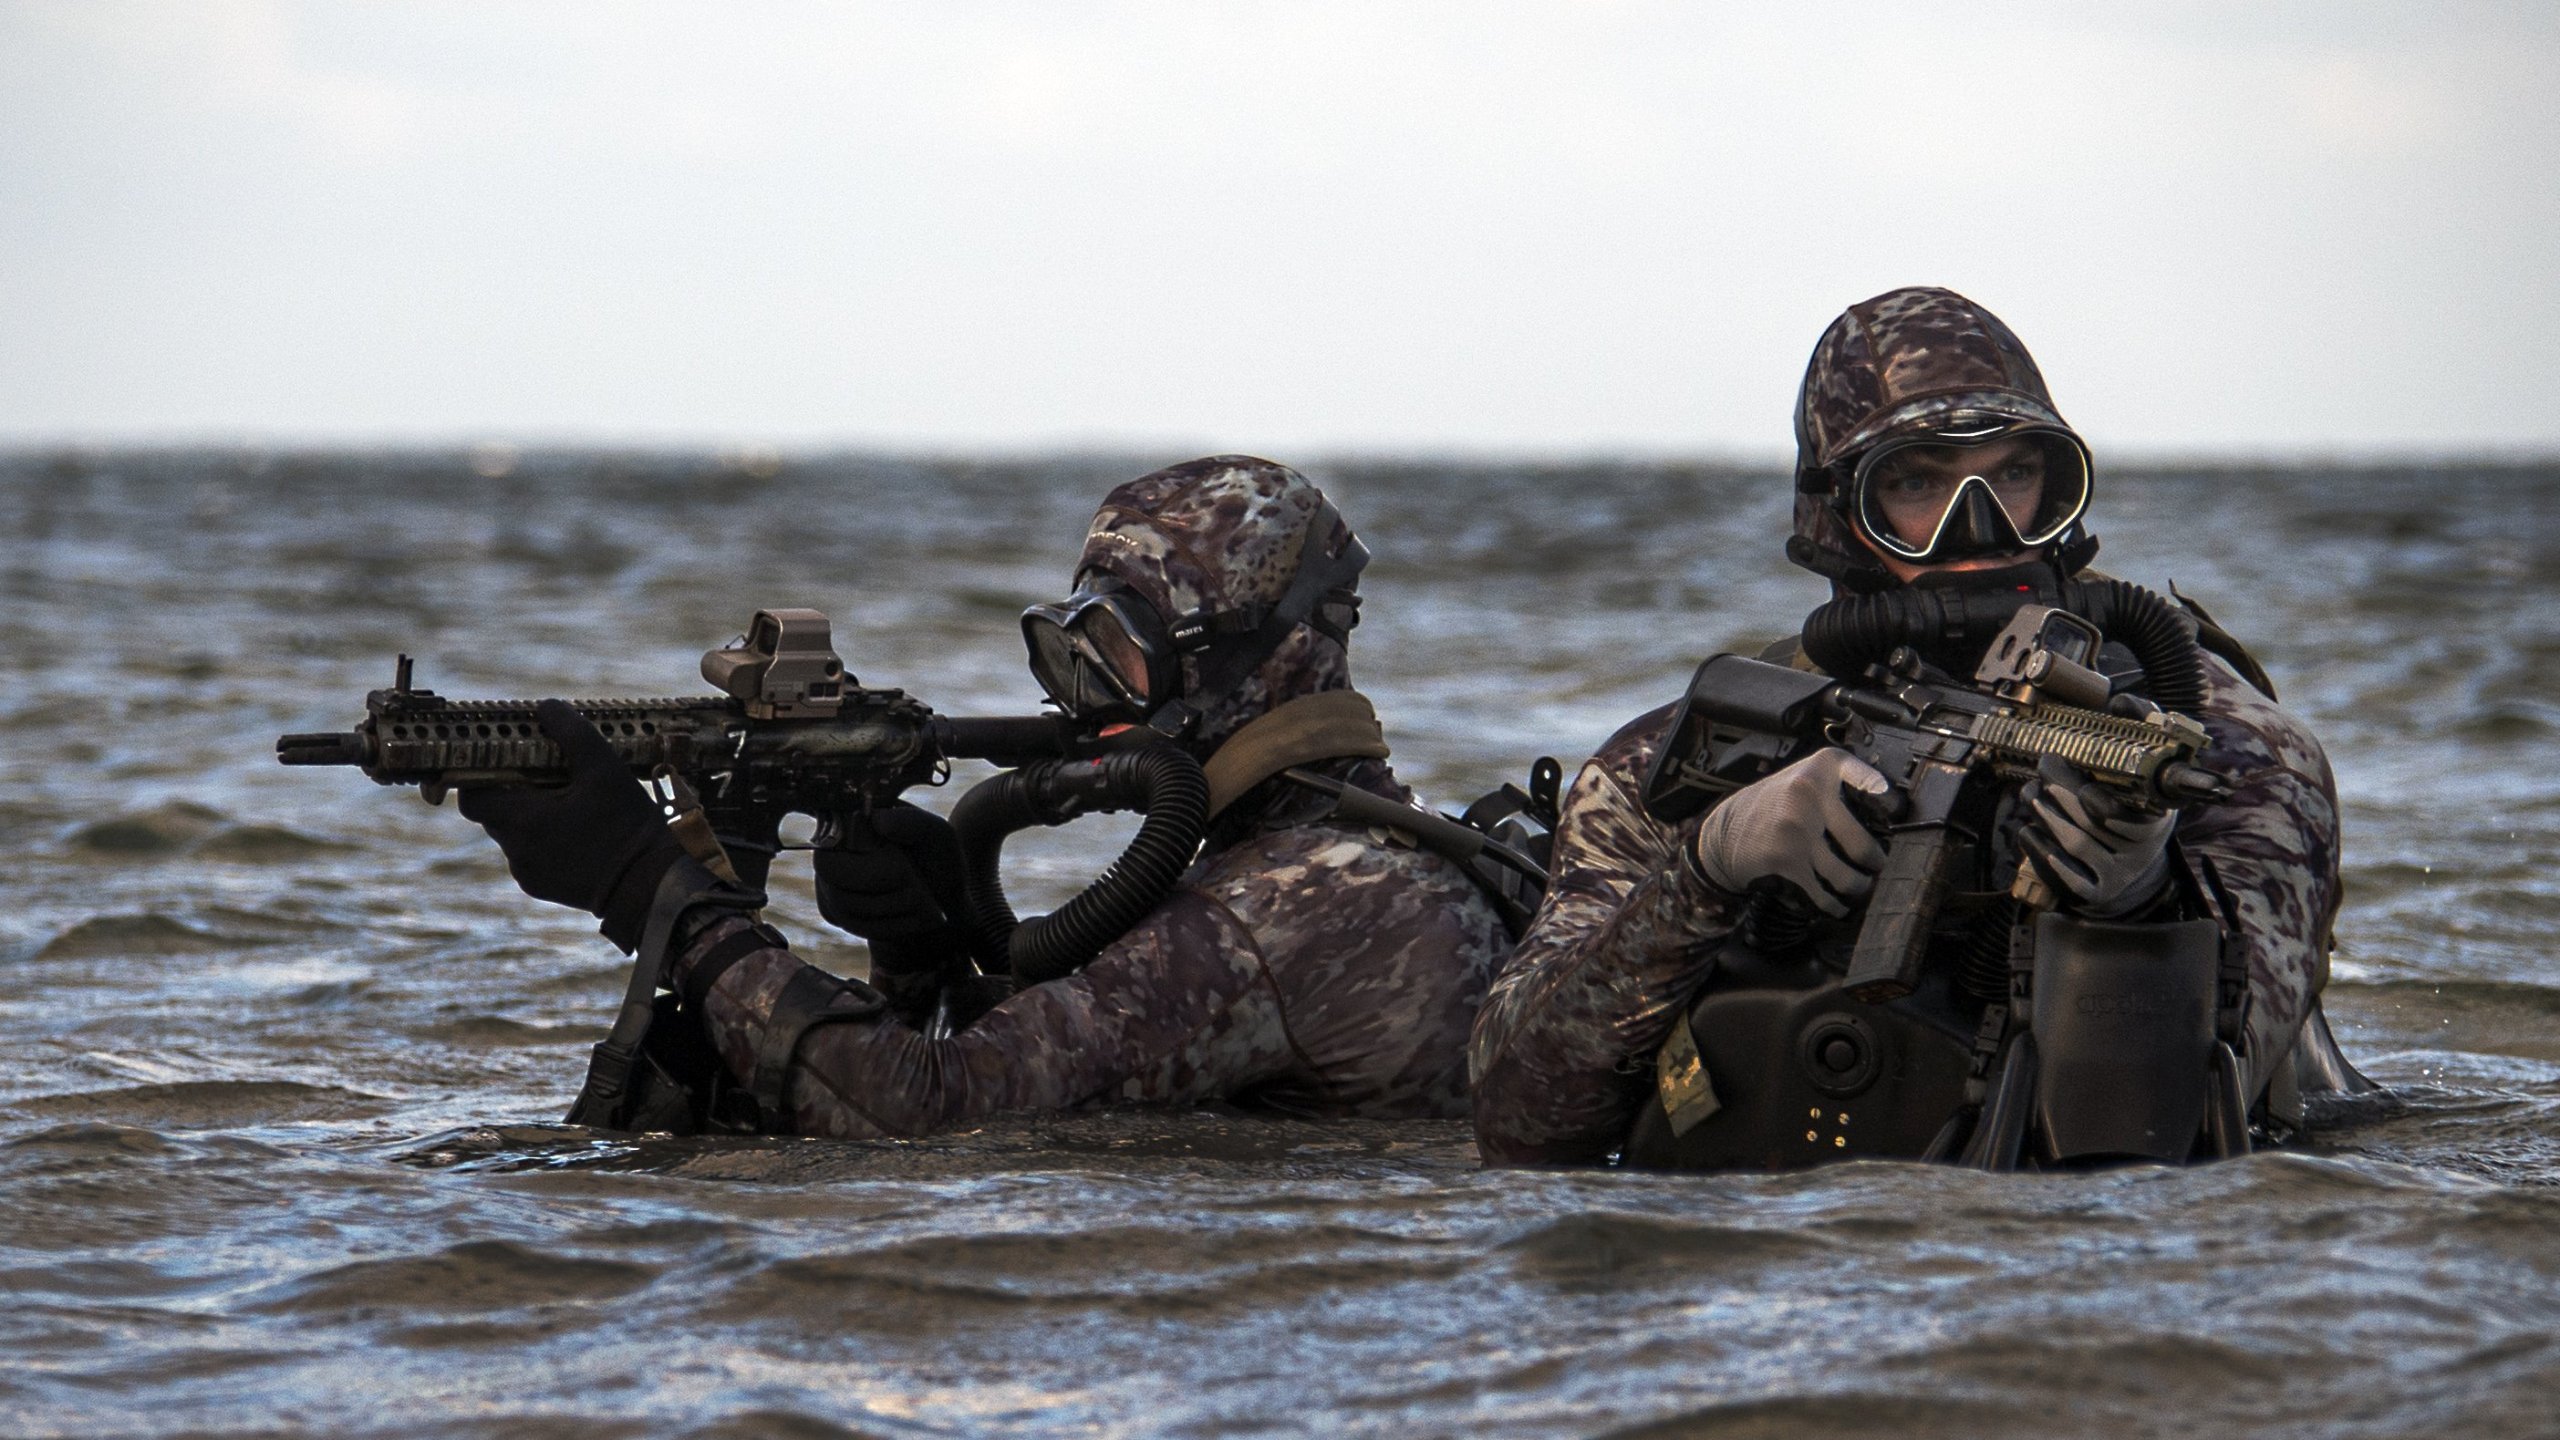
{"points": [[685, 886], [1452, 840]]}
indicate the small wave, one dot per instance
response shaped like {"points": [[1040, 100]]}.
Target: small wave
{"points": [[2331, 1111], [53, 714], [473, 1334], [93, 1139], [333, 994], [591, 980], [1596, 1245], [2105, 1368], [161, 830], [93, 1281], [207, 1104], [2138, 1364], [1841, 1417], [2507, 995], [775, 1425], [188, 1366], [267, 845], [2374, 880], [107, 936], [502, 1149], [2506, 722], [477, 1275], [935, 1281], [497, 1030], [482, 863]]}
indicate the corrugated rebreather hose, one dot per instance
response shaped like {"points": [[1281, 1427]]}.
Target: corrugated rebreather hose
{"points": [[1161, 780]]}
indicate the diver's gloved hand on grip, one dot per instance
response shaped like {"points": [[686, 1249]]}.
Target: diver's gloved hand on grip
{"points": [[597, 844], [893, 875], [1799, 826], [2109, 858]]}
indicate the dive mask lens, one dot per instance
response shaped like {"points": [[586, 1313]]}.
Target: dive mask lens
{"points": [[1092, 655], [1107, 638], [1950, 495], [1053, 658]]}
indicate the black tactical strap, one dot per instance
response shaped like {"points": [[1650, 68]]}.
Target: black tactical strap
{"points": [[809, 999], [737, 946], [685, 886], [1503, 874], [2204, 894]]}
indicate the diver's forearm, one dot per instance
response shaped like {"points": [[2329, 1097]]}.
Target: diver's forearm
{"points": [[1145, 1021], [1563, 1050]]}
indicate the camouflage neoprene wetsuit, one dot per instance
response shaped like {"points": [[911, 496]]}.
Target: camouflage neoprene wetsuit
{"points": [[1315, 968], [1563, 1052]]}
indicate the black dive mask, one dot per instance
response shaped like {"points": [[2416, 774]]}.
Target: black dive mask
{"points": [[1995, 489], [1103, 654]]}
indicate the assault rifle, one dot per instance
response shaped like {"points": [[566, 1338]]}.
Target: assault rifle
{"points": [[1943, 743], [793, 733]]}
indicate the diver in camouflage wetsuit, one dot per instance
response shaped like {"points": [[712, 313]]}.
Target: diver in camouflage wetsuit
{"points": [[1303, 964], [1565, 1053]]}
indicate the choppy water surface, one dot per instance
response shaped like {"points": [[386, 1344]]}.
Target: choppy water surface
{"points": [[276, 1153]]}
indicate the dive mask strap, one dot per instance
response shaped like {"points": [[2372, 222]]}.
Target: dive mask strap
{"points": [[1228, 653]]}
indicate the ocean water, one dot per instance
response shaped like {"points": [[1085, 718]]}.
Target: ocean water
{"points": [[279, 1151]]}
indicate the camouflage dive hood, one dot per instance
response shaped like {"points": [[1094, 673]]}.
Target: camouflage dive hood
{"points": [[1225, 534], [1912, 360]]}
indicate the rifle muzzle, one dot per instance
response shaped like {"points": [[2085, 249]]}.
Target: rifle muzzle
{"points": [[335, 747]]}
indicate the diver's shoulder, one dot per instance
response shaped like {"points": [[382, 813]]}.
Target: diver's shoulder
{"points": [[1321, 862], [2252, 729], [1330, 890]]}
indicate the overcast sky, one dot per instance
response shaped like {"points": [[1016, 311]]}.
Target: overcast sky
{"points": [[1279, 227]]}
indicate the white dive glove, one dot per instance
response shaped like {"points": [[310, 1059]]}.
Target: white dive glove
{"points": [[2109, 858], [1798, 825]]}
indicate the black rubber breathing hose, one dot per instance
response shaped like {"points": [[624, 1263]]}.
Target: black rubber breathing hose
{"points": [[1852, 632], [1161, 780]]}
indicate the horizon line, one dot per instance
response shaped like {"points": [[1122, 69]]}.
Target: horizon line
{"points": [[502, 453]]}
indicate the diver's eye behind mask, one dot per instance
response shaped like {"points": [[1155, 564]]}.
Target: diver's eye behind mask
{"points": [[1102, 654], [1962, 493]]}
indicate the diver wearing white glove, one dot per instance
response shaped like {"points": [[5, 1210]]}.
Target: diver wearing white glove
{"points": [[1799, 826]]}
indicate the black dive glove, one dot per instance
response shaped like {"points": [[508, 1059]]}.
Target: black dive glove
{"points": [[893, 875], [597, 844]]}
